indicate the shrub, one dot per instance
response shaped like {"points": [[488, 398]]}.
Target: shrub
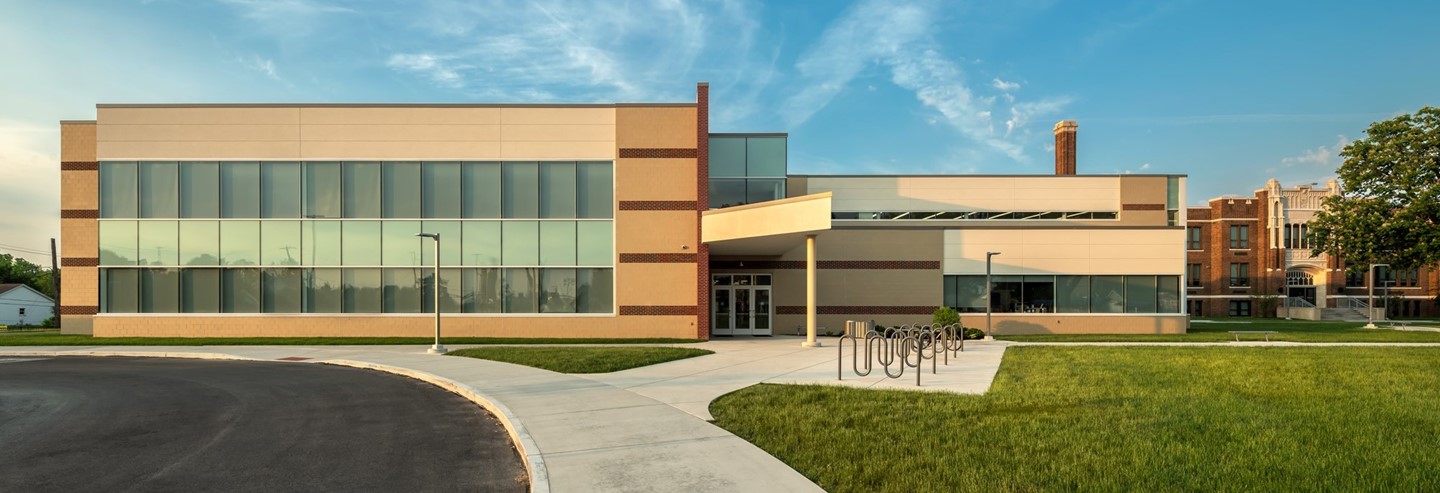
{"points": [[974, 333], [945, 316]]}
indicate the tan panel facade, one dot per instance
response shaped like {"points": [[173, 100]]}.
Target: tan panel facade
{"points": [[655, 284], [655, 179], [389, 326], [655, 231], [342, 132], [1097, 251], [660, 128], [79, 246]]}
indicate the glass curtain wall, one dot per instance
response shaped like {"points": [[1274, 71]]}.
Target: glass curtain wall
{"points": [[1065, 294], [747, 168], [339, 237]]}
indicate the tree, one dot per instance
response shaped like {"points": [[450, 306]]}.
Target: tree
{"points": [[1388, 210], [18, 270]]}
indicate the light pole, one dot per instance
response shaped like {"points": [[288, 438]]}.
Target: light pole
{"points": [[989, 333], [1370, 295], [435, 281]]}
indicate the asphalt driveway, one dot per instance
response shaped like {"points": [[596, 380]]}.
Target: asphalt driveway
{"points": [[141, 424]]}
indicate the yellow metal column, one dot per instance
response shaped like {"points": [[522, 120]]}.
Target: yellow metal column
{"points": [[810, 293]]}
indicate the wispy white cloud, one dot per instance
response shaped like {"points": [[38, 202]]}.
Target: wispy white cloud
{"points": [[900, 37], [428, 65], [1327, 157], [267, 10], [263, 65], [1130, 171], [1222, 119]]}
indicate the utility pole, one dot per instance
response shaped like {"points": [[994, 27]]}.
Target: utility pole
{"points": [[55, 281]]}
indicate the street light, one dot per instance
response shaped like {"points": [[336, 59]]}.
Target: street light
{"points": [[437, 348], [1370, 295], [989, 334]]}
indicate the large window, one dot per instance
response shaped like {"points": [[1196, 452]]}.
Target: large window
{"points": [[1065, 294], [338, 237], [1193, 275], [1239, 308], [747, 168], [1239, 275], [1192, 238], [1239, 237]]}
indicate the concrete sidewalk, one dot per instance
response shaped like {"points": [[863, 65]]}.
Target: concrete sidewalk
{"points": [[575, 434]]}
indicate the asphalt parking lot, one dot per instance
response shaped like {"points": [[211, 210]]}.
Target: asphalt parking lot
{"points": [[143, 424]]}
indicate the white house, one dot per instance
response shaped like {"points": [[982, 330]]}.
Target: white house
{"points": [[22, 305]]}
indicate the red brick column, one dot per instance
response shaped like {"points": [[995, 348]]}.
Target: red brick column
{"points": [[702, 202]]}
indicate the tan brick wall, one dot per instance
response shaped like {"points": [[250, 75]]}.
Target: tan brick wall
{"points": [[79, 191], [1012, 324]]}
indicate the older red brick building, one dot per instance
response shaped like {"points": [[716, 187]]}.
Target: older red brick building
{"points": [[1248, 255]]}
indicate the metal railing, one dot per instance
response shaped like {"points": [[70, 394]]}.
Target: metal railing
{"points": [[1293, 302], [1355, 303], [903, 347]]}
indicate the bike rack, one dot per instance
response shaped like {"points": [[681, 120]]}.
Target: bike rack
{"points": [[895, 347]]}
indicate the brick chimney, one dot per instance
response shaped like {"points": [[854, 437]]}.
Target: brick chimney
{"points": [[1065, 147]]}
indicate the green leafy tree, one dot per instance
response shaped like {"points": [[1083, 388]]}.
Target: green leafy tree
{"points": [[18, 270], [1389, 208]]}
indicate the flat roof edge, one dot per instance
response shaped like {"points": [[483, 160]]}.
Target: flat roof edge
{"points": [[793, 175], [77, 122]]}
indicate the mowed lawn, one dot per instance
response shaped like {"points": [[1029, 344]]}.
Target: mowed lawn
{"points": [[1218, 330], [582, 359], [1122, 419]]}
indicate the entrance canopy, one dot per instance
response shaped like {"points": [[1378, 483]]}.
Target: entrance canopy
{"points": [[765, 228]]}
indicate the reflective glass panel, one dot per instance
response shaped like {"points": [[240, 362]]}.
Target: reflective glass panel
{"points": [[240, 190], [119, 187], [200, 243], [481, 190], [521, 243], [595, 190], [764, 190], [362, 189], [240, 290], [1168, 294], [765, 156], [557, 290], [594, 291], [520, 196], [280, 242], [1140, 294], [321, 242], [1072, 294], [401, 195], [970, 294], [450, 243], [727, 157], [363, 290], [557, 243], [1107, 294], [122, 290], [324, 291], [557, 190], [520, 291], [159, 190], [1008, 294], [401, 245], [481, 243], [594, 243], [282, 290], [481, 291], [280, 190], [402, 290], [442, 190], [240, 242], [360, 242], [726, 192], [200, 290], [159, 243], [200, 189], [323, 189], [159, 290], [450, 290], [119, 242], [1039, 294]]}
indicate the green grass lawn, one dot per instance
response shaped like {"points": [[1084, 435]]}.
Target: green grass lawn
{"points": [[582, 359], [1218, 330], [55, 339], [1121, 419]]}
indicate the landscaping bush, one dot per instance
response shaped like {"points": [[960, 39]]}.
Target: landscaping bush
{"points": [[945, 316], [974, 333]]}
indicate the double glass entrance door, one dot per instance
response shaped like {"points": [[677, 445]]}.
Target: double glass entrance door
{"points": [[740, 304]]}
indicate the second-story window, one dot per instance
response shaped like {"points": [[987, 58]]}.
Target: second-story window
{"points": [[1192, 238], [1240, 237], [1239, 275], [1192, 275]]}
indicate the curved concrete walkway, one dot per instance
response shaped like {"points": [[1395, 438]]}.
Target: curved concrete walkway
{"points": [[576, 434]]}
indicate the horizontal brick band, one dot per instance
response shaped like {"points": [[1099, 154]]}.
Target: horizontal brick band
{"points": [[79, 166], [79, 310], [79, 213], [657, 258], [79, 261], [857, 310], [658, 310], [829, 264], [658, 205], [1142, 207], [658, 153]]}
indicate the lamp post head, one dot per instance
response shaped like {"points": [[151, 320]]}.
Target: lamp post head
{"points": [[433, 236], [991, 254]]}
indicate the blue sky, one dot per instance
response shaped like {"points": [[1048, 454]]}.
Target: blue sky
{"points": [[1230, 93]]}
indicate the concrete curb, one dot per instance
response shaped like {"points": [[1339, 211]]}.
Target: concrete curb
{"points": [[529, 451]]}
